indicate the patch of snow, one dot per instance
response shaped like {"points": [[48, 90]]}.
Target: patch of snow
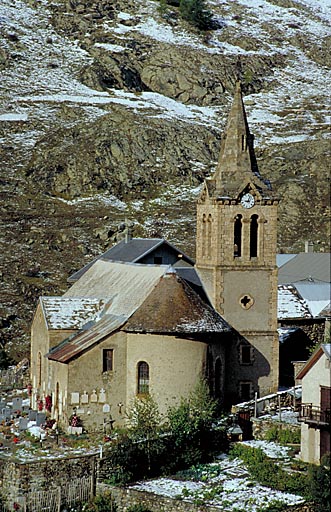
{"points": [[272, 450], [109, 200], [13, 117], [115, 48], [236, 489]]}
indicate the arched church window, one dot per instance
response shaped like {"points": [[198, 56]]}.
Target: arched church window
{"points": [[253, 236], [39, 369], [143, 378], [237, 236]]}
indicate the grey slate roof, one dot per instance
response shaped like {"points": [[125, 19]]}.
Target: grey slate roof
{"points": [[132, 251], [313, 266]]}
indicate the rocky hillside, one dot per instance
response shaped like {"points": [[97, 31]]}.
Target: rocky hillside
{"points": [[114, 110]]}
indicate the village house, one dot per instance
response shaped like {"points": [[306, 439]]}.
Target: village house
{"points": [[315, 416], [151, 323]]}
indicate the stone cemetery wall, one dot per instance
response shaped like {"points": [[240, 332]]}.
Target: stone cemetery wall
{"points": [[18, 479]]}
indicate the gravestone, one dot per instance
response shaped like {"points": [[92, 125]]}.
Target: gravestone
{"points": [[23, 423], [41, 418], [17, 403], [7, 412], [32, 415]]}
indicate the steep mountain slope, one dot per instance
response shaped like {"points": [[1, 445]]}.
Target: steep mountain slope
{"points": [[111, 110]]}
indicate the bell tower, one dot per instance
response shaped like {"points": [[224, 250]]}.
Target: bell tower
{"points": [[236, 253]]}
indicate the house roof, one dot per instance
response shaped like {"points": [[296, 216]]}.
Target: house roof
{"points": [[70, 312], [290, 303], [303, 300], [306, 266], [132, 250], [154, 298], [322, 349], [173, 307]]}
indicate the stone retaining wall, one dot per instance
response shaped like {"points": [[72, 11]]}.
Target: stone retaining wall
{"points": [[127, 497], [261, 426]]}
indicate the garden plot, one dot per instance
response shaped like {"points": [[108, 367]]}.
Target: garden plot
{"points": [[225, 484]]}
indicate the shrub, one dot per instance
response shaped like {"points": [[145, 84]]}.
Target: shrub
{"points": [[267, 472], [138, 508], [101, 503], [319, 484], [283, 435], [190, 425], [196, 13]]}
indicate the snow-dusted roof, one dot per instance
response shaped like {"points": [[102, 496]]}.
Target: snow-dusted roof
{"points": [[291, 304], [71, 312], [303, 300]]}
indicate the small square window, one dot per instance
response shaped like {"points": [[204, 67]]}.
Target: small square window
{"points": [[246, 354], [107, 360], [245, 391]]}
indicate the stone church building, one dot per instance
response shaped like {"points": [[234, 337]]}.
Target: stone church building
{"points": [[143, 319]]}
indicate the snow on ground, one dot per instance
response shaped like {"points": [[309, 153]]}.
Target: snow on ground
{"points": [[235, 490], [272, 450]]}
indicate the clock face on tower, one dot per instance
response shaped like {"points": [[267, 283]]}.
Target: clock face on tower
{"points": [[247, 201]]}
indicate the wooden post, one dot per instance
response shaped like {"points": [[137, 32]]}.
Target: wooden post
{"points": [[279, 409]]}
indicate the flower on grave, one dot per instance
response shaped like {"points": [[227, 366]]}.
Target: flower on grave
{"points": [[40, 404], [48, 403], [16, 506]]}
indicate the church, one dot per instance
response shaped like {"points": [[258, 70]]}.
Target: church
{"points": [[143, 318]]}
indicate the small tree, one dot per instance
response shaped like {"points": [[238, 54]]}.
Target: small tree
{"points": [[143, 417], [144, 424], [190, 424], [196, 13]]}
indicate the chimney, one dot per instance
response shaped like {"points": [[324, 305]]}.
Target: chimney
{"points": [[309, 246], [127, 232]]}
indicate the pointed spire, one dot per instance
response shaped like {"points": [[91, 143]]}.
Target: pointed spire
{"points": [[237, 161]]}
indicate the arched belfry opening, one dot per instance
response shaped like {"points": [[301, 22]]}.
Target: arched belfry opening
{"points": [[237, 236], [254, 226], [209, 234]]}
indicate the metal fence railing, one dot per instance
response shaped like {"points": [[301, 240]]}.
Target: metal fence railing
{"points": [[78, 491]]}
